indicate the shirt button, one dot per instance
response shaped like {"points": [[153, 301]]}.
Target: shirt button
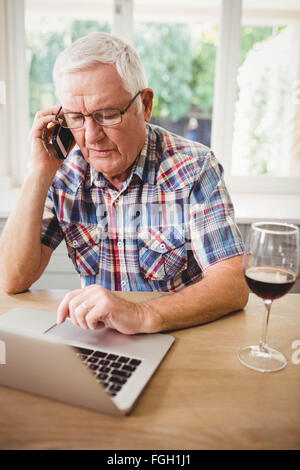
{"points": [[119, 244], [123, 283], [162, 246], [75, 244], [116, 202]]}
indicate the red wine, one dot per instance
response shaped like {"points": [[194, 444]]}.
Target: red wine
{"points": [[270, 282]]}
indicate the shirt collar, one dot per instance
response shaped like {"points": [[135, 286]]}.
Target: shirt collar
{"points": [[147, 162], [95, 178]]}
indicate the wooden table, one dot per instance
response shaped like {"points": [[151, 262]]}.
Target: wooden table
{"points": [[201, 397]]}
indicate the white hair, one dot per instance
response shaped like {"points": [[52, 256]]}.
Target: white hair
{"points": [[96, 48]]}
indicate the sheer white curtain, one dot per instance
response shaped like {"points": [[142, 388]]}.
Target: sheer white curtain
{"points": [[265, 112]]}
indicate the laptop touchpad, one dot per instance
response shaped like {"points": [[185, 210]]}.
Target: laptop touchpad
{"points": [[69, 332]]}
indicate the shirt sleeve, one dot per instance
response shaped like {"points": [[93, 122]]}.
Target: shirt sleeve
{"points": [[214, 233], [51, 233]]}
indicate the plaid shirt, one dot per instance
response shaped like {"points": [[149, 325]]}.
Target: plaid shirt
{"points": [[171, 219]]}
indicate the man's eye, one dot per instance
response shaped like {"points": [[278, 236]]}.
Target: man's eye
{"points": [[75, 117], [109, 114]]}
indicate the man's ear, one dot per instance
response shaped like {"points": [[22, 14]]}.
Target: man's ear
{"points": [[147, 100]]}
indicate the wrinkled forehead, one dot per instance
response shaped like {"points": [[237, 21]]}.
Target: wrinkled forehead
{"points": [[93, 88]]}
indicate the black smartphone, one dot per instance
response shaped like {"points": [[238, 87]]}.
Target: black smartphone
{"points": [[63, 140]]}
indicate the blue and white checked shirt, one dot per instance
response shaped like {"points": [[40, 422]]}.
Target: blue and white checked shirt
{"points": [[171, 219]]}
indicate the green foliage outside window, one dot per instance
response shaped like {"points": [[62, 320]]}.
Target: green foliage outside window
{"points": [[43, 49], [166, 55], [179, 69]]}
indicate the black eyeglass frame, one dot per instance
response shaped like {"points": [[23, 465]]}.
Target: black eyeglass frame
{"points": [[123, 111]]}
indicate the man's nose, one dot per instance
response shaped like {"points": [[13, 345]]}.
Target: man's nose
{"points": [[93, 131]]}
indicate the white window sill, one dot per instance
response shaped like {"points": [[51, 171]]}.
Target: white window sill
{"points": [[248, 207], [251, 207]]}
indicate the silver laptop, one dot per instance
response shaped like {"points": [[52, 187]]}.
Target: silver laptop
{"points": [[99, 369]]}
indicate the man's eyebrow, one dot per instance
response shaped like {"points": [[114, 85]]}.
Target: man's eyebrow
{"points": [[98, 109]]}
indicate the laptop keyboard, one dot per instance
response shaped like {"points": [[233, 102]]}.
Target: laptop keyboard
{"points": [[111, 370]]}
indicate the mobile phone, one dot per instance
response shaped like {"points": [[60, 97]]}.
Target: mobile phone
{"points": [[62, 140]]}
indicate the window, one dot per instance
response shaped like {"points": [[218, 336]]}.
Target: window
{"points": [[265, 132], [256, 104], [50, 27], [225, 72], [178, 54], [177, 44]]}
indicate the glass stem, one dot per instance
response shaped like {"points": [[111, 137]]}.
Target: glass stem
{"points": [[263, 341]]}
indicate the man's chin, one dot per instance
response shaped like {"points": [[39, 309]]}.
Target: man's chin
{"points": [[103, 165], [101, 161]]}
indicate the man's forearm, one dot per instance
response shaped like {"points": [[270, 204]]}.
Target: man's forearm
{"points": [[217, 294], [20, 245]]}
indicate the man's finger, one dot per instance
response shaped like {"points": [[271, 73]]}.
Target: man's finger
{"points": [[63, 308], [94, 320], [80, 306]]}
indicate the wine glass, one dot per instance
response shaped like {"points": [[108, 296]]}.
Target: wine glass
{"points": [[271, 264]]}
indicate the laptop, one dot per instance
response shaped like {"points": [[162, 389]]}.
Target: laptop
{"points": [[99, 369]]}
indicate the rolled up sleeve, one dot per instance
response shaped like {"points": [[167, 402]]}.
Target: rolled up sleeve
{"points": [[214, 233]]}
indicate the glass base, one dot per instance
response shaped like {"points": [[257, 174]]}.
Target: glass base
{"points": [[262, 359]]}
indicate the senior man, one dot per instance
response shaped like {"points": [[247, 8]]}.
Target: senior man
{"points": [[139, 208]]}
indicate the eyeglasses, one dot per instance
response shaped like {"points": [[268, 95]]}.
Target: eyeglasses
{"points": [[103, 117]]}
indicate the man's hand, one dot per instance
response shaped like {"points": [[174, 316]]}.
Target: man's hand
{"points": [[43, 153], [222, 289], [95, 307]]}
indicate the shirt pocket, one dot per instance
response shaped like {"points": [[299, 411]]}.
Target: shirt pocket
{"points": [[83, 247], [162, 255]]}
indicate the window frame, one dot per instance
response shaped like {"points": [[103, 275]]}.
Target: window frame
{"points": [[14, 114]]}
